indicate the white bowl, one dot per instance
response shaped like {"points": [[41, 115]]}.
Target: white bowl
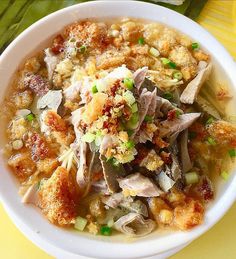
{"points": [[64, 243]]}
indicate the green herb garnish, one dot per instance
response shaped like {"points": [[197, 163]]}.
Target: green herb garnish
{"points": [[129, 144], [232, 152], [105, 231], [94, 89], [195, 45], [168, 95], [210, 120], [148, 118], [166, 61], [82, 49], [30, 117], [141, 41], [129, 83], [178, 75], [211, 141]]}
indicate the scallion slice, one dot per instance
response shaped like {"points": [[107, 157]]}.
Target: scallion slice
{"points": [[88, 137], [141, 41], [30, 117], [168, 95], [225, 175], [154, 52], [129, 144], [191, 178], [105, 230], [210, 120], [94, 89], [129, 83], [195, 45], [134, 107], [82, 49], [166, 61], [178, 75], [211, 141], [80, 223], [148, 118], [232, 152]]}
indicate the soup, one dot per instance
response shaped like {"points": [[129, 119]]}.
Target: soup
{"points": [[114, 127]]}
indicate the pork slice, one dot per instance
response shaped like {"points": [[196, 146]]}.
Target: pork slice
{"points": [[111, 174], [139, 77], [184, 154], [163, 106], [139, 185], [169, 127], [191, 91], [133, 224]]}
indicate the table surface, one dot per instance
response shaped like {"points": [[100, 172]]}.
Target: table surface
{"points": [[218, 17]]}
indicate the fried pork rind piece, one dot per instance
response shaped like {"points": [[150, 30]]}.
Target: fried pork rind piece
{"points": [[223, 132], [22, 165], [89, 34], [188, 215], [57, 198]]}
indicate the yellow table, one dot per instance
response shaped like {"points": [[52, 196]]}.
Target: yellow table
{"points": [[217, 17]]}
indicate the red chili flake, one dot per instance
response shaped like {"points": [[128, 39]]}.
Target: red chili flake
{"points": [[114, 88], [57, 44], [223, 94], [205, 189], [201, 132], [160, 142], [97, 176], [166, 157], [37, 84], [107, 109], [105, 125], [233, 143], [171, 115]]}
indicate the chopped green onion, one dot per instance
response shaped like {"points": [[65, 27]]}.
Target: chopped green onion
{"points": [[113, 161], [211, 141], [191, 178], [168, 95], [210, 120], [110, 223], [225, 175], [195, 45], [154, 52], [129, 83], [134, 107], [130, 132], [178, 113], [192, 134], [82, 49], [129, 97], [88, 137], [178, 75], [129, 144], [148, 118], [133, 121], [30, 117], [80, 223], [166, 61], [232, 152], [141, 41], [105, 230], [94, 89]]}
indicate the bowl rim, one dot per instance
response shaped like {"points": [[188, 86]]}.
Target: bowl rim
{"points": [[144, 247]]}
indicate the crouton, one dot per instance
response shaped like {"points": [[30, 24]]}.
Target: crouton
{"points": [[57, 198], [189, 215], [176, 197], [54, 121], [22, 165], [199, 55]]}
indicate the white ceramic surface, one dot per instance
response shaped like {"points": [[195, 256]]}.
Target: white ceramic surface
{"points": [[29, 220]]}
